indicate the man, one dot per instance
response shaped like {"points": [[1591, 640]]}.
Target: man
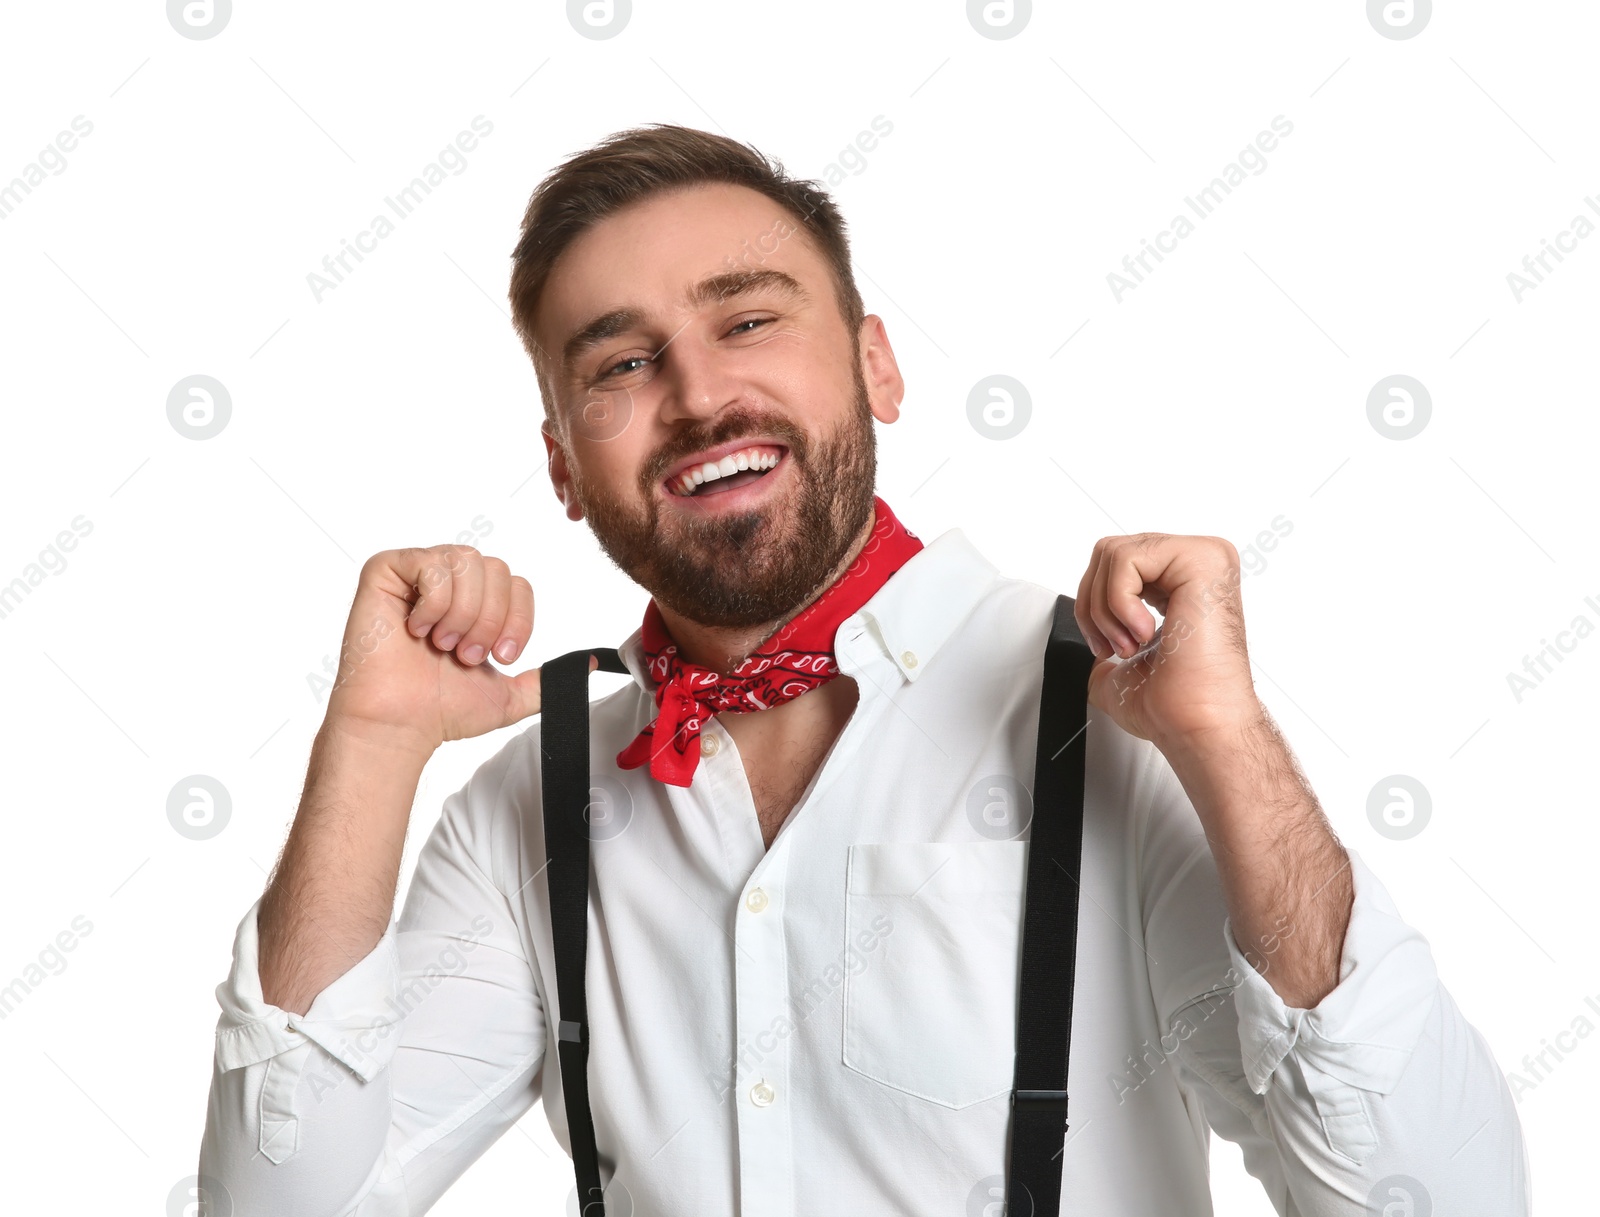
{"points": [[812, 815]]}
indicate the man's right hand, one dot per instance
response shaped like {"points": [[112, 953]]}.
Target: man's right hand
{"points": [[412, 674], [413, 668]]}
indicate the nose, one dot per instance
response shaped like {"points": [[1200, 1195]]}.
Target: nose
{"points": [[697, 379]]}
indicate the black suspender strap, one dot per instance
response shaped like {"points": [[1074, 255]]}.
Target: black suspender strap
{"points": [[1050, 925], [564, 765], [1050, 918]]}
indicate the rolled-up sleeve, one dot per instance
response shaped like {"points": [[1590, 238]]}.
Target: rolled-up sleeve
{"points": [[405, 1068], [354, 1021], [1381, 1095]]}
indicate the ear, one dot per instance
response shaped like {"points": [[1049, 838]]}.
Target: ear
{"points": [[885, 386], [560, 475]]}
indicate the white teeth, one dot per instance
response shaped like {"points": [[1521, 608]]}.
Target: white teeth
{"points": [[726, 467]]}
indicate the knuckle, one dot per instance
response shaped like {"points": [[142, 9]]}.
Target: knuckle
{"points": [[490, 613], [431, 578], [453, 558], [483, 631], [465, 598]]}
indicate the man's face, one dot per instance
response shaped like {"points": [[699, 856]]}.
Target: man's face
{"points": [[662, 377]]}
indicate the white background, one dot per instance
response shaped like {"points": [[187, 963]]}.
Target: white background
{"points": [[1226, 390]]}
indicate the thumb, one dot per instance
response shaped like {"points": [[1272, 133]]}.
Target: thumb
{"points": [[1099, 696], [1109, 695], [526, 693]]}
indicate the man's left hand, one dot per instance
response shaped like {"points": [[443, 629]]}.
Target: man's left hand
{"points": [[1186, 687], [1188, 678]]}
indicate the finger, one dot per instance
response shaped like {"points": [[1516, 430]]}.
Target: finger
{"points": [[486, 627], [1080, 608], [425, 572], [1137, 568], [518, 623], [1101, 613], [466, 594]]}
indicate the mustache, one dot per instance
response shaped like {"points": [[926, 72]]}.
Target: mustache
{"points": [[728, 430]]}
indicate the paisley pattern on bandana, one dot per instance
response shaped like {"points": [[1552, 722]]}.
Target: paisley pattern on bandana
{"points": [[795, 660]]}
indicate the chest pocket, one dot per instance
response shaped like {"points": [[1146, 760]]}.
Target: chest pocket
{"points": [[933, 1010]]}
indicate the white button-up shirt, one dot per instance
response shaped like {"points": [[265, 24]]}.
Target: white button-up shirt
{"points": [[827, 1026]]}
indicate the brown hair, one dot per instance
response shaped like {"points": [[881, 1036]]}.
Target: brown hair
{"points": [[634, 164]]}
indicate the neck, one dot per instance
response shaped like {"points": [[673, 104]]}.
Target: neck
{"points": [[721, 649]]}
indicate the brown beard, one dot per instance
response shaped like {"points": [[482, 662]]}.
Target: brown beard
{"points": [[748, 568]]}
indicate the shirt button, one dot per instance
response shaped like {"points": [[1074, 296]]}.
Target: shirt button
{"points": [[756, 900], [909, 658], [762, 1095], [709, 745]]}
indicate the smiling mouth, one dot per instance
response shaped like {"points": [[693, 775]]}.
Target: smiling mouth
{"points": [[730, 473]]}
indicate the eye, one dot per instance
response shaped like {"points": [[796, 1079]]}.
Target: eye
{"points": [[621, 363], [621, 366]]}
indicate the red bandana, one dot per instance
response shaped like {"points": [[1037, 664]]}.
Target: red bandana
{"points": [[795, 660]]}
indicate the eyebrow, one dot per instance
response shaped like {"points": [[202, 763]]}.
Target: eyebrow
{"points": [[710, 290]]}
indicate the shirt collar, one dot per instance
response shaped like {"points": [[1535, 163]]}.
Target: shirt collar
{"points": [[908, 619]]}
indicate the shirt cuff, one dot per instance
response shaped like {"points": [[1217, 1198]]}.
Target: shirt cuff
{"points": [[1363, 1032], [352, 1019]]}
